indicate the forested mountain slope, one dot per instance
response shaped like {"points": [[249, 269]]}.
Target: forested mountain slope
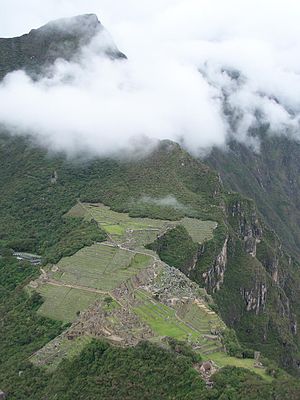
{"points": [[245, 268], [270, 176], [244, 265]]}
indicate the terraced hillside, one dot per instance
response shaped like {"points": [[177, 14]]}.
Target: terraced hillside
{"points": [[134, 232], [98, 269], [252, 280], [64, 303], [120, 291], [167, 321]]}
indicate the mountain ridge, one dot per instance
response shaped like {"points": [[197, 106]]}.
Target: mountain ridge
{"points": [[40, 48], [244, 267]]}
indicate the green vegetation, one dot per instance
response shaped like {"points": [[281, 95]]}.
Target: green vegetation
{"points": [[33, 210], [258, 296], [208, 253], [63, 304], [162, 319], [203, 319], [176, 248], [75, 235], [140, 231], [146, 371], [199, 231], [224, 360], [250, 327], [270, 177], [190, 323], [22, 330], [101, 267]]}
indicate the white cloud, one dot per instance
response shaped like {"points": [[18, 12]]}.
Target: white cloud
{"points": [[159, 92]]}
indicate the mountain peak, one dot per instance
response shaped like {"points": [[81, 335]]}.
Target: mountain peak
{"points": [[83, 25], [62, 38]]}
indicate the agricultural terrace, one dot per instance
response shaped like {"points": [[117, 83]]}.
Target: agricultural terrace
{"points": [[165, 321], [63, 304], [100, 266], [136, 232], [103, 267]]}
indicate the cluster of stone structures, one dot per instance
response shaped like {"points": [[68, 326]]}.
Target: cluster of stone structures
{"points": [[116, 323]]}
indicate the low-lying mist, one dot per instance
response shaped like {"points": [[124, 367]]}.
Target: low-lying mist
{"points": [[197, 72]]}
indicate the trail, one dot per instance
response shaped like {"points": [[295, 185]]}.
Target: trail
{"points": [[53, 282], [79, 287]]}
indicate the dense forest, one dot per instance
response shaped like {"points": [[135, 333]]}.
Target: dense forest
{"points": [[101, 371]]}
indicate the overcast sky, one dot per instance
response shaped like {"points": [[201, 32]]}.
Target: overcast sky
{"points": [[160, 92]]}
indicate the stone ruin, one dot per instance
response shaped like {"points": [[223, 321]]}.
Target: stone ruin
{"points": [[257, 362], [207, 369], [119, 325]]}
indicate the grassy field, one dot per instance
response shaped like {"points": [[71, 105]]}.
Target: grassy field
{"points": [[223, 359], [63, 303], [121, 227], [201, 319], [101, 267], [199, 230], [164, 321], [140, 231]]}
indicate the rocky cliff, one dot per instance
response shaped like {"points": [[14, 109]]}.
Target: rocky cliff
{"points": [[253, 281]]}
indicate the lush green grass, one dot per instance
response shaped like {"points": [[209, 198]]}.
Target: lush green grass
{"points": [[162, 319], [200, 319], [164, 322], [114, 229], [224, 360], [144, 229], [62, 304], [199, 230], [122, 227], [101, 267], [105, 216]]}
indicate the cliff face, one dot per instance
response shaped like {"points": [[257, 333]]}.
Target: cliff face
{"points": [[256, 286], [271, 177], [214, 277], [252, 279]]}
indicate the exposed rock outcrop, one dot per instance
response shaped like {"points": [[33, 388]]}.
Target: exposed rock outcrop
{"points": [[248, 226], [214, 277], [256, 298]]}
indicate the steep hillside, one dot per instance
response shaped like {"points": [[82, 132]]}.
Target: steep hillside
{"points": [[58, 39], [113, 234], [253, 281], [242, 265], [271, 177]]}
